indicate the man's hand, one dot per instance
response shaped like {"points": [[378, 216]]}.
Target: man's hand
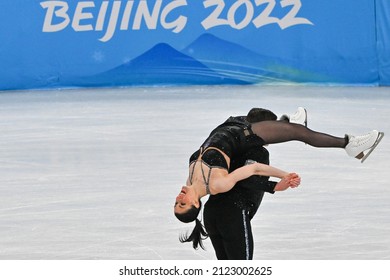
{"points": [[292, 180]]}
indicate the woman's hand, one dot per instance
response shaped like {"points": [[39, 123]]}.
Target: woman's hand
{"points": [[291, 180]]}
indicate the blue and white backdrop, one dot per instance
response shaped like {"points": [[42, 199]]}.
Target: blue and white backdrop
{"points": [[74, 43]]}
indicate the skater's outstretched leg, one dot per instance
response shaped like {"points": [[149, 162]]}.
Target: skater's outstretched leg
{"points": [[273, 132]]}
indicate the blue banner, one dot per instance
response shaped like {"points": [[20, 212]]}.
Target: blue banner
{"points": [[383, 31], [46, 44]]}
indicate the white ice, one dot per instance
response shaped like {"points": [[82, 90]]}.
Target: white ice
{"points": [[92, 174]]}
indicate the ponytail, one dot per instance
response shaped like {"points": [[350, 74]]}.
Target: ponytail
{"points": [[196, 237], [199, 233]]}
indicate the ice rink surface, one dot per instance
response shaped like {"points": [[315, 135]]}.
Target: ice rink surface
{"points": [[93, 173]]}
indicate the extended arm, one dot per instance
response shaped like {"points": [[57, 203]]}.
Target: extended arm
{"points": [[256, 169], [228, 181]]}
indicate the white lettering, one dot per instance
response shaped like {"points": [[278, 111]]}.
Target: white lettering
{"points": [[113, 21], [51, 6], [178, 24], [136, 15], [79, 16], [126, 15], [264, 18], [102, 16], [214, 19], [290, 19], [88, 17], [248, 16], [143, 12]]}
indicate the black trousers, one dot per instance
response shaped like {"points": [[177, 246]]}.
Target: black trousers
{"points": [[227, 216], [229, 229]]}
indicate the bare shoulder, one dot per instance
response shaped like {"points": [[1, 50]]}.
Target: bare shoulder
{"points": [[221, 181]]}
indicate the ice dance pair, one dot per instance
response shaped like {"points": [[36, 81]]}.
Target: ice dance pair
{"points": [[209, 169]]}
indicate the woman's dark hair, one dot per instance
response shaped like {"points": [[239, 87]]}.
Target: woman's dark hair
{"points": [[190, 215], [196, 237], [199, 233]]}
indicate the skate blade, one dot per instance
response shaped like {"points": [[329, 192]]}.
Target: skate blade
{"points": [[378, 140], [305, 122], [360, 156]]}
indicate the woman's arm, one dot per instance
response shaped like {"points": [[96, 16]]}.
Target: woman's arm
{"points": [[256, 169], [227, 182]]}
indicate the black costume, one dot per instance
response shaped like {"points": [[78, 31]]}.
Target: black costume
{"points": [[234, 137], [227, 216]]}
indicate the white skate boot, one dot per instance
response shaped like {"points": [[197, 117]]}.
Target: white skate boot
{"points": [[299, 117], [357, 145]]}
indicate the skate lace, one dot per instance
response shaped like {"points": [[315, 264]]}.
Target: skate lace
{"points": [[361, 140]]}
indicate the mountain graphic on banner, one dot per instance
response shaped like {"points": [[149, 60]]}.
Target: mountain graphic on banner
{"points": [[162, 64], [241, 63]]}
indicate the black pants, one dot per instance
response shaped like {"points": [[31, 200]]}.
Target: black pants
{"points": [[230, 231], [227, 216]]}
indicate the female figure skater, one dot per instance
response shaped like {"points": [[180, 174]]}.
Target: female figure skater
{"points": [[208, 169]]}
